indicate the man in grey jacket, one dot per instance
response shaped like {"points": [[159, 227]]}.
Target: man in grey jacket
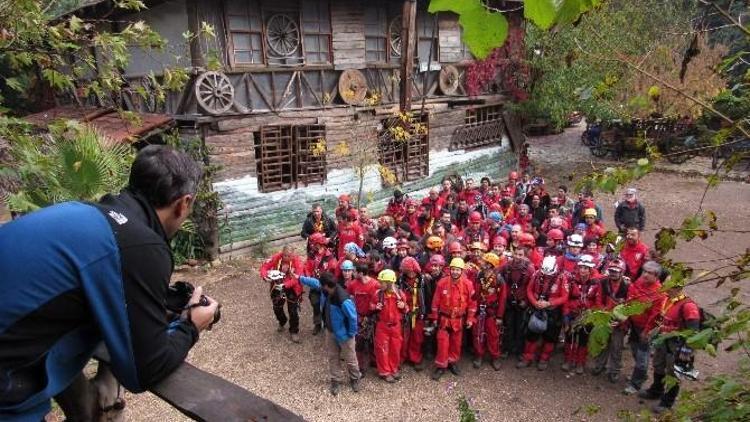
{"points": [[630, 212]]}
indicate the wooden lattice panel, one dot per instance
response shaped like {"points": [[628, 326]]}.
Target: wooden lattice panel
{"points": [[311, 158], [483, 126], [408, 160], [275, 168]]}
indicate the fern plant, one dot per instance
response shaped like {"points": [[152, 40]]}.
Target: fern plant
{"points": [[72, 162]]}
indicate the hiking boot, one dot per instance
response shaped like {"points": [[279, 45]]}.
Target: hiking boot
{"points": [[477, 363], [317, 329], [280, 328], [295, 338], [419, 366], [630, 390], [542, 365], [504, 355], [496, 364], [659, 408], [389, 379], [649, 394], [455, 369], [355, 385], [613, 378], [523, 364], [438, 373], [579, 370], [597, 370], [565, 366], [397, 376], [334, 388]]}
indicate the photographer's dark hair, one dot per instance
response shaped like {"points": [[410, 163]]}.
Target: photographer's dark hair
{"points": [[327, 280], [162, 174]]}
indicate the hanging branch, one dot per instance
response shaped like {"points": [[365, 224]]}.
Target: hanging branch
{"points": [[727, 16]]}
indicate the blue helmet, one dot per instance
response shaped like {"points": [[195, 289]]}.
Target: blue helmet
{"points": [[354, 249], [347, 265], [496, 216]]}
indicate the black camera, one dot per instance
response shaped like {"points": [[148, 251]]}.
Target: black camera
{"points": [[178, 296]]}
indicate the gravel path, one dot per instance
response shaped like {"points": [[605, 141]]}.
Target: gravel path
{"points": [[246, 349]]}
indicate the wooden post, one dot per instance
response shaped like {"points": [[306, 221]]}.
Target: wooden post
{"points": [[194, 25], [408, 40]]}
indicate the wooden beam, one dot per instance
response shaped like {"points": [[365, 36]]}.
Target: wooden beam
{"points": [[408, 40], [194, 26]]}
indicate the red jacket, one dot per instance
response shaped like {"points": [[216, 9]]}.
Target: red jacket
{"points": [[469, 235], [490, 291], [516, 279], [582, 296], [351, 233], [651, 294], [595, 230], [555, 290], [470, 196], [634, 257], [320, 263], [609, 295], [397, 210], [453, 300], [436, 206], [390, 314], [295, 267], [362, 294], [678, 312]]}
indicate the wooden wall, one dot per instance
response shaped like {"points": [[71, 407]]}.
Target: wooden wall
{"points": [[347, 24]]}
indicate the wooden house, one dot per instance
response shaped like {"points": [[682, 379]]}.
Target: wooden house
{"points": [[290, 73]]}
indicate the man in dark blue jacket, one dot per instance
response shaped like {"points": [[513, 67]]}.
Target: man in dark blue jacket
{"points": [[76, 274], [340, 319]]}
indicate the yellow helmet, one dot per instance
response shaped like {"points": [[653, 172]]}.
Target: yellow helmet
{"points": [[492, 259], [590, 212], [457, 263], [389, 276]]}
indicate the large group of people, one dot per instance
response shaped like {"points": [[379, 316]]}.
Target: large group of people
{"points": [[500, 270]]}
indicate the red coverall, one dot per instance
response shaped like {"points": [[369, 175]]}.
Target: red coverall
{"points": [[388, 334], [350, 232], [583, 295], [490, 294], [555, 289], [290, 282], [362, 295], [469, 235], [453, 302], [397, 210], [634, 257], [470, 196], [414, 332]]}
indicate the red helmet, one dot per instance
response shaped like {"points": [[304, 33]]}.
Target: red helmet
{"points": [[318, 239], [475, 217], [410, 264], [411, 203], [555, 234], [438, 260], [344, 197], [617, 264], [499, 240], [527, 240], [455, 247], [513, 175]]}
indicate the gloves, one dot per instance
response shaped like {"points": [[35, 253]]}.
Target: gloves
{"points": [[279, 287]]}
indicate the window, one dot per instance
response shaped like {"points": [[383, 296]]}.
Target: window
{"points": [[483, 126], [408, 160], [316, 27], [245, 32], [288, 156], [427, 38], [376, 34]]}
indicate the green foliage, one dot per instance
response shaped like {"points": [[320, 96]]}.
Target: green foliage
{"points": [[73, 163], [465, 411], [545, 13], [484, 30], [725, 397], [603, 321]]}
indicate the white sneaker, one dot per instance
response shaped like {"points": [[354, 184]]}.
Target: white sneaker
{"points": [[629, 390]]}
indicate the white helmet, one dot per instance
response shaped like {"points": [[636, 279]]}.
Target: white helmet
{"points": [[586, 261], [275, 275], [575, 240], [389, 242], [549, 265]]}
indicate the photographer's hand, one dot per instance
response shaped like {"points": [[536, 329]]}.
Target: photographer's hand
{"points": [[202, 316]]}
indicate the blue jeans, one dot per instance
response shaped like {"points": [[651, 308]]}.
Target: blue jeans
{"points": [[641, 354]]}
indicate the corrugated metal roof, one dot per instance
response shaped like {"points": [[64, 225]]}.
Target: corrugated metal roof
{"points": [[106, 120]]}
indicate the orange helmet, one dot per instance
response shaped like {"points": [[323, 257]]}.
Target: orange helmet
{"points": [[434, 243], [410, 264]]}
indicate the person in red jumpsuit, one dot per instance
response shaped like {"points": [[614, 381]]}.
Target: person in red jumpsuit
{"points": [[417, 295], [568, 261], [389, 305], [469, 193], [345, 206], [583, 286], [453, 308], [361, 289], [546, 292], [435, 203], [490, 295], [634, 252], [397, 207], [594, 227], [350, 232], [475, 232], [285, 290], [679, 312], [322, 261]]}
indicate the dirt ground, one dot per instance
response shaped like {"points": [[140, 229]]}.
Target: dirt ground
{"points": [[246, 349]]}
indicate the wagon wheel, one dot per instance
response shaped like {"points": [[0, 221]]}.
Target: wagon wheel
{"points": [[214, 92], [679, 150], [597, 147], [352, 86], [449, 79], [282, 34], [394, 35], [148, 101]]}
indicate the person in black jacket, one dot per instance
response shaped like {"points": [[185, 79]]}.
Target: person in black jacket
{"points": [[630, 212], [100, 274], [317, 221]]}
